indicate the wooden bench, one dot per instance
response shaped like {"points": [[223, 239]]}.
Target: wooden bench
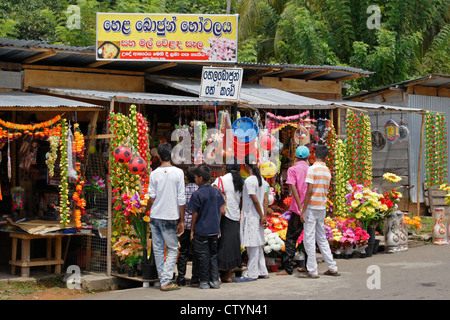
{"points": [[25, 263]]}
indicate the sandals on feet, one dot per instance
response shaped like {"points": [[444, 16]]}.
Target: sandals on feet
{"points": [[308, 275], [332, 273], [172, 287]]}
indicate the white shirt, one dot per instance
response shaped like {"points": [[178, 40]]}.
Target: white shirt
{"points": [[166, 186], [251, 186], [233, 197]]}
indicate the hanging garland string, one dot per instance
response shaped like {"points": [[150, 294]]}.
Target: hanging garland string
{"points": [[341, 177], [436, 150], [273, 121], [77, 197], [41, 130], [121, 179], [330, 142], [359, 148], [64, 187]]}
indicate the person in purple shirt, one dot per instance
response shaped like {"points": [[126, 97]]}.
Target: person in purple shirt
{"points": [[296, 176]]}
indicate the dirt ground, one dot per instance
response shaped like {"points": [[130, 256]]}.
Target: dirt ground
{"points": [[51, 294]]}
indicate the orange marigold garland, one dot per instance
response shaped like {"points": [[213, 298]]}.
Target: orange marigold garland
{"points": [[77, 197]]}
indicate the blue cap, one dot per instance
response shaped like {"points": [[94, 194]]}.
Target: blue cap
{"points": [[302, 152]]}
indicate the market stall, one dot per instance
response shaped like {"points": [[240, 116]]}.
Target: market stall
{"points": [[43, 166]]}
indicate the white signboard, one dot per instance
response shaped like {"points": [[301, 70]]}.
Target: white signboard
{"points": [[221, 83]]}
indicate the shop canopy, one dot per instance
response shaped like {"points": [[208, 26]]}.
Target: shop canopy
{"points": [[253, 95], [126, 97], [26, 101]]}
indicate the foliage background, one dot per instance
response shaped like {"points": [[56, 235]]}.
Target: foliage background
{"points": [[413, 38]]}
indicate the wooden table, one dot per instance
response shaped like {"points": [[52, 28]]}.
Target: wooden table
{"points": [[54, 241]]}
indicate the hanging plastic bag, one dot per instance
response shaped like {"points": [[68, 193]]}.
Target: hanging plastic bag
{"points": [[71, 155]]}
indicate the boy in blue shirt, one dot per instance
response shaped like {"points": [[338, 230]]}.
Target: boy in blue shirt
{"points": [[205, 205]]}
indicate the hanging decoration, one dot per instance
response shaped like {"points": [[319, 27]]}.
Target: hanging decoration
{"points": [[129, 163], [274, 122], [77, 197], [359, 147], [64, 187], [436, 149], [52, 155], [391, 130], [41, 130], [341, 177], [329, 138]]}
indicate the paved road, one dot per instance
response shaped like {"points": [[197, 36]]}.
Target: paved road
{"points": [[419, 273]]}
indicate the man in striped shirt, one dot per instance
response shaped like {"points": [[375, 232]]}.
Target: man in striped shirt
{"points": [[318, 180]]}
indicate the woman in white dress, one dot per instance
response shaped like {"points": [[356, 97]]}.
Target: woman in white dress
{"points": [[229, 244], [253, 221]]}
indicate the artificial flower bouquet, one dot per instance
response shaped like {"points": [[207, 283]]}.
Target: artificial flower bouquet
{"points": [[391, 198], [273, 244], [414, 223], [128, 249], [365, 204]]}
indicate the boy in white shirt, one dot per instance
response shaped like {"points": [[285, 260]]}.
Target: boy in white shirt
{"points": [[167, 202]]}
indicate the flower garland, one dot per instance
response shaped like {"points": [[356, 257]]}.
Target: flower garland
{"points": [[330, 142], [143, 148], [121, 179], [77, 197], [64, 187], [436, 150], [41, 130], [359, 147], [340, 179], [52, 155]]}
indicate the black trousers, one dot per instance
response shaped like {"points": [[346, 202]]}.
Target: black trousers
{"points": [[294, 229], [183, 257], [205, 251]]}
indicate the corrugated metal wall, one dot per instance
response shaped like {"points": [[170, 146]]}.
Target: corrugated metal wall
{"points": [[437, 104]]}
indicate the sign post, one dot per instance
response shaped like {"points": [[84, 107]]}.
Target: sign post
{"points": [[221, 83]]}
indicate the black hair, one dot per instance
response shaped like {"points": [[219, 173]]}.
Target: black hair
{"points": [[165, 151], [234, 169], [190, 174], [250, 160], [204, 172], [321, 152]]}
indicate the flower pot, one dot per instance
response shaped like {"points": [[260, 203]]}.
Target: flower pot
{"points": [[132, 272], [392, 233], [439, 230], [403, 232], [376, 246], [273, 268]]}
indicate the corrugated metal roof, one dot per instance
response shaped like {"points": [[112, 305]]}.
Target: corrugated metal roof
{"points": [[19, 99], [432, 80], [12, 50], [128, 97], [42, 44], [253, 94], [373, 106]]}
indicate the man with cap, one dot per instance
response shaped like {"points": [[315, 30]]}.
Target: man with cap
{"points": [[296, 176]]}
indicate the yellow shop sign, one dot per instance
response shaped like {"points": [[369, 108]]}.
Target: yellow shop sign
{"points": [[167, 37]]}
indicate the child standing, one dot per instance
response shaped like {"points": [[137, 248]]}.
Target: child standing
{"points": [[185, 238], [205, 204], [254, 209], [313, 215]]}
